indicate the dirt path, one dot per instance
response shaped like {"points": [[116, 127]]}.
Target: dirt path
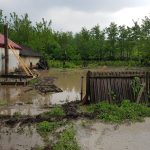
{"points": [[100, 136]]}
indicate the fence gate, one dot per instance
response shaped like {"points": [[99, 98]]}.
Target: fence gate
{"points": [[117, 86]]}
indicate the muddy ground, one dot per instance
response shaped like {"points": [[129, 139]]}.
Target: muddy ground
{"points": [[19, 133], [100, 136], [70, 109], [90, 135]]}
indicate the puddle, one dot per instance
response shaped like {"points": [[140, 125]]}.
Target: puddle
{"points": [[100, 136], [20, 138]]}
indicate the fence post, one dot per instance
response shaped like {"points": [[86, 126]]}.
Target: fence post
{"points": [[88, 85], [81, 88]]}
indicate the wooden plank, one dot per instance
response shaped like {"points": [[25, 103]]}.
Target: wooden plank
{"points": [[109, 91], [17, 76], [13, 83], [101, 84], [140, 92]]}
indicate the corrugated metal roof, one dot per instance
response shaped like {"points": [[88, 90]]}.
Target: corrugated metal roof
{"points": [[11, 43]]}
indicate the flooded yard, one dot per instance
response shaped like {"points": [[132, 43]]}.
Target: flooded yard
{"points": [[31, 102], [90, 135]]}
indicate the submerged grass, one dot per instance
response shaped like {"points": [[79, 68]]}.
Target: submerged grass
{"points": [[117, 114]]}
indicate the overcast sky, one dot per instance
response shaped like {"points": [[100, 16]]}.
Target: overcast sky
{"points": [[72, 15]]}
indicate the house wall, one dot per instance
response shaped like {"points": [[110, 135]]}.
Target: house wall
{"points": [[13, 62], [33, 60]]}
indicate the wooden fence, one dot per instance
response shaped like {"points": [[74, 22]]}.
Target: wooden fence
{"points": [[117, 86]]}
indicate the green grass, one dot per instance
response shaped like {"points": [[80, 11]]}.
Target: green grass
{"points": [[118, 114], [45, 127], [59, 64], [33, 81], [3, 103], [17, 114], [56, 111], [67, 141], [92, 64], [119, 63]]}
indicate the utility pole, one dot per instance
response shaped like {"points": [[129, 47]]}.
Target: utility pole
{"points": [[6, 48]]}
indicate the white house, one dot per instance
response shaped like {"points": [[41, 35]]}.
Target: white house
{"points": [[30, 57], [13, 61]]}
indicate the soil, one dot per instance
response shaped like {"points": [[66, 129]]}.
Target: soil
{"points": [[70, 110], [20, 138]]}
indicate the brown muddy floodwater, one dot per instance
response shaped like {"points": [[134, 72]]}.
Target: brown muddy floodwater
{"points": [[96, 136], [20, 138], [31, 102]]}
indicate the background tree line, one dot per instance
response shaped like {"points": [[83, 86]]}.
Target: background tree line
{"points": [[112, 43]]}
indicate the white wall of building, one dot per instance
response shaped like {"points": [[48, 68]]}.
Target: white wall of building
{"points": [[13, 62], [28, 60]]}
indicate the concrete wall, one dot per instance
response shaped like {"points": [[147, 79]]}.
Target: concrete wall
{"points": [[13, 62], [33, 60]]}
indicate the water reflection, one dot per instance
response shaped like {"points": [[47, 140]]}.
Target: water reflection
{"points": [[16, 99], [31, 102]]}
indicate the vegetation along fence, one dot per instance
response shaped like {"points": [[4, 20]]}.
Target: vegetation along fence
{"points": [[117, 86]]}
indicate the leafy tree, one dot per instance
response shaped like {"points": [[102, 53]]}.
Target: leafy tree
{"points": [[97, 38], [112, 33], [112, 43]]}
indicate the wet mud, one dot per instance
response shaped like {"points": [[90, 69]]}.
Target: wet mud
{"points": [[20, 138], [71, 112], [101, 136], [45, 85]]}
